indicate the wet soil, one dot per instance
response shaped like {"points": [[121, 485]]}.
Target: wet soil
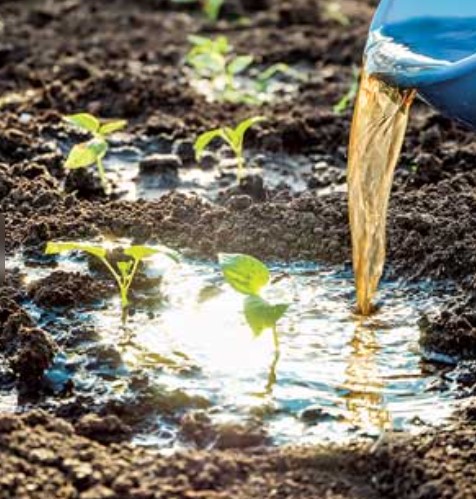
{"points": [[47, 457], [123, 59]]}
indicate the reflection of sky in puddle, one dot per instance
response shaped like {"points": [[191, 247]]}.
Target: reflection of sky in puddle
{"points": [[337, 377]]}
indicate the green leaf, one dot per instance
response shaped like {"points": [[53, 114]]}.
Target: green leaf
{"points": [[112, 126], [86, 154], [204, 140], [222, 45], [208, 63], [239, 64], [245, 125], [199, 40], [56, 248], [85, 121], [142, 252], [350, 95], [212, 8], [233, 139], [261, 315], [124, 268], [244, 273]]}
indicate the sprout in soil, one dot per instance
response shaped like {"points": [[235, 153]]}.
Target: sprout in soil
{"points": [[233, 137], [211, 8], [333, 12], [350, 95], [92, 151], [212, 59], [124, 271], [265, 78], [249, 276]]}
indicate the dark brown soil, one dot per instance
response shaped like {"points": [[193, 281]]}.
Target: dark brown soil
{"points": [[45, 457], [124, 59]]}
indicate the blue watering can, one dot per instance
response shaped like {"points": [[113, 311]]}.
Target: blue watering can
{"points": [[428, 45]]}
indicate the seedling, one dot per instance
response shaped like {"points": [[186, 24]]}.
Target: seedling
{"points": [[94, 150], [333, 12], [233, 137], [125, 271], [350, 95], [249, 276], [211, 8], [212, 59], [265, 78]]}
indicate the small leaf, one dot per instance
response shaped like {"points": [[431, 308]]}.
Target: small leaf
{"points": [[222, 45], [204, 140], [80, 156], [124, 268], [142, 252], [239, 64], [85, 121], [245, 125], [199, 40], [244, 273], [112, 126], [233, 139], [208, 63], [56, 248], [86, 154], [212, 8], [261, 315]]}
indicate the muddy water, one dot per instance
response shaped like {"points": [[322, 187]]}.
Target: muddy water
{"points": [[378, 129], [339, 376]]}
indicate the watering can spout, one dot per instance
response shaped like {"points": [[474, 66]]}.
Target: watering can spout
{"points": [[428, 45]]}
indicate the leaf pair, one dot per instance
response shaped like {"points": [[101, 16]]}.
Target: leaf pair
{"points": [[126, 270], [93, 151], [90, 123], [233, 137], [249, 276], [211, 58]]}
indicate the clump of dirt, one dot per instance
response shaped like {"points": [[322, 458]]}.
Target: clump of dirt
{"points": [[198, 428], [106, 430], [67, 289], [28, 350], [453, 329]]}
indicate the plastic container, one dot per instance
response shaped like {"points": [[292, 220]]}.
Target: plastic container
{"points": [[429, 45]]}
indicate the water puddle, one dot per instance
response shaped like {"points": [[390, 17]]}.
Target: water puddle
{"points": [[339, 376], [276, 169]]}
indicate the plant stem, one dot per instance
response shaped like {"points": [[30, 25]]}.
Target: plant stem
{"points": [[122, 290], [241, 166], [102, 176], [277, 348]]}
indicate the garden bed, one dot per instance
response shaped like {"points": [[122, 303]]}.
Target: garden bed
{"points": [[125, 60]]}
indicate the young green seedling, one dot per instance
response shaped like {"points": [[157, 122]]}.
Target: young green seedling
{"points": [[124, 272], [211, 8], [233, 137], [249, 276], [211, 59], [350, 95], [93, 151], [265, 78]]}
